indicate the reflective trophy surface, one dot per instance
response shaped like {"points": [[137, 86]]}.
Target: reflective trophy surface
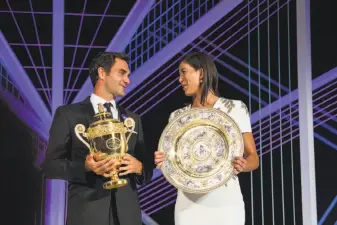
{"points": [[106, 137]]}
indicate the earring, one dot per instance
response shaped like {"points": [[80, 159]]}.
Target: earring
{"points": [[201, 81]]}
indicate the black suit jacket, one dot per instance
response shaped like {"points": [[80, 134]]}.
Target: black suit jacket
{"points": [[88, 202]]}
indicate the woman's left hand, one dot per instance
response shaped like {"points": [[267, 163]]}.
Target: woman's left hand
{"points": [[239, 165]]}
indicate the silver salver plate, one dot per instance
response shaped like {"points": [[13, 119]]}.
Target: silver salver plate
{"points": [[200, 145]]}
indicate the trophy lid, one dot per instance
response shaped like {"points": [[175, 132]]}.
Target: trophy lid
{"points": [[102, 115]]}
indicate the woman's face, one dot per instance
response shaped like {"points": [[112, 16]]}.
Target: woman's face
{"points": [[189, 79]]}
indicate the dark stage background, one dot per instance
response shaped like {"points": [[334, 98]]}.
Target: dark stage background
{"points": [[21, 182]]}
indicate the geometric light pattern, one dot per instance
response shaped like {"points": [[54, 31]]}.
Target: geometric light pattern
{"points": [[154, 42], [217, 40]]}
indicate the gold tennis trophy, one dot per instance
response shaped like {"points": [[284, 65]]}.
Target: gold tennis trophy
{"points": [[107, 138]]}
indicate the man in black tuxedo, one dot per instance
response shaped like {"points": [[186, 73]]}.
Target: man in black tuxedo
{"points": [[68, 158]]}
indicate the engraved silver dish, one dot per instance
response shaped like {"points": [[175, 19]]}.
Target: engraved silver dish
{"points": [[200, 145]]}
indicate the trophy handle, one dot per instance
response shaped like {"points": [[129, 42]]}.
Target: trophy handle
{"points": [[80, 129], [130, 125]]}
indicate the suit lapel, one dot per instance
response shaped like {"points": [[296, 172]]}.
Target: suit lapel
{"points": [[88, 110], [121, 113]]}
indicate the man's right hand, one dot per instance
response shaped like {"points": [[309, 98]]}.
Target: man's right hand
{"points": [[102, 167]]}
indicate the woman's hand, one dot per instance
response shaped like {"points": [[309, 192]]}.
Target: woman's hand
{"points": [[251, 160], [159, 158], [239, 164]]}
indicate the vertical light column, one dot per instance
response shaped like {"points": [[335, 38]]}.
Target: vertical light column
{"points": [[308, 179], [58, 54], [55, 203]]}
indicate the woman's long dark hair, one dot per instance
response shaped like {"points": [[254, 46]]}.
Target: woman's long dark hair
{"points": [[200, 60]]}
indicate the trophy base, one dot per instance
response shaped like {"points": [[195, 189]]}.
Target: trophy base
{"points": [[111, 184]]}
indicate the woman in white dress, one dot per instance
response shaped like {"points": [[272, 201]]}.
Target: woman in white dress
{"points": [[224, 205]]}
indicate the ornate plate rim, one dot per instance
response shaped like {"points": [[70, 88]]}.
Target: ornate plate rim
{"points": [[224, 181]]}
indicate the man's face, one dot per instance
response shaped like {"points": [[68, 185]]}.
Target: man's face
{"points": [[117, 79]]}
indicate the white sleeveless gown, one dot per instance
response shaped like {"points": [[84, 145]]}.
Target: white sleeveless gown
{"points": [[224, 205]]}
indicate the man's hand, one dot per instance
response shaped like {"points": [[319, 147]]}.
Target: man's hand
{"points": [[130, 165], [102, 167]]}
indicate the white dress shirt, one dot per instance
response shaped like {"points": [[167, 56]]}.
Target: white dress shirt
{"points": [[95, 100]]}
